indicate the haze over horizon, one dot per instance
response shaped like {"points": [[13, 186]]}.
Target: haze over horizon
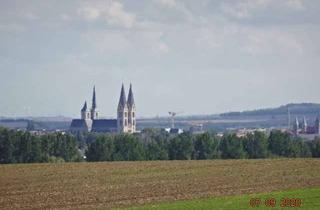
{"points": [[199, 57]]}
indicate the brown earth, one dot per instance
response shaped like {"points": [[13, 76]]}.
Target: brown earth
{"points": [[120, 184]]}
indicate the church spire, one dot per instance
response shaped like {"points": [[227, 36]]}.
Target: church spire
{"points": [[94, 112], [122, 100], [94, 102], [296, 126], [84, 108], [130, 97], [297, 123], [304, 125]]}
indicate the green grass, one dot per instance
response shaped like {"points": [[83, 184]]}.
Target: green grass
{"points": [[310, 198]]}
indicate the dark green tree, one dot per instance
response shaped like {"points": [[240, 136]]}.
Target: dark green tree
{"points": [[205, 147], [128, 147], [181, 147], [7, 147], [156, 151], [101, 149], [256, 145], [315, 147], [279, 142], [231, 147]]}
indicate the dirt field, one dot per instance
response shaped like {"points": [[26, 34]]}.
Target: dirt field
{"points": [[119, 184]]}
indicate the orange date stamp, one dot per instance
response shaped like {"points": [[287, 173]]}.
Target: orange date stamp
{"points": [[272, 202]]}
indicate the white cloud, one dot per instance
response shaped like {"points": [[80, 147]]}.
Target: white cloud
{"points": [[115, 14], [210, 37], [247, 8], [108, 41], [295, 4], [163, 47], [29, 15], [151, 41], [167, 3], [111, 11], [11, 27], [65, 17], [90, 13], [271, 42]]}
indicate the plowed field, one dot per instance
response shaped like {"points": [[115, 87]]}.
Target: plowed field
{"points": [[122, 184]]}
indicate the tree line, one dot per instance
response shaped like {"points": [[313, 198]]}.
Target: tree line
{"points": [[23, 147], [151, 144]]}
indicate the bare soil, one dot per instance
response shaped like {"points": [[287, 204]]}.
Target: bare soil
{"points": [[122, 184]]}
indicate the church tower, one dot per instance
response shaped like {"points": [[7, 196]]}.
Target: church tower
{"points": [[131, 112], [304, 125], [94, 112], [122, 113], [85, 114], [296, 126]]}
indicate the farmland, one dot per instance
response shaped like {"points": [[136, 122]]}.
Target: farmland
{"points": [[124, 184], [309, 197]]}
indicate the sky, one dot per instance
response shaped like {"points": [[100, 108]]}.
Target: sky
{"points": [[194, 57]]}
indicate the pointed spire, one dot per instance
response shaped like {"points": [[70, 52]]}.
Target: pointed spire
{"points": [[122, 100], [296, 126], [297, 122], [84, 108], [304, 121], [304, 125], [94, 102], [130, 97], [289, 119]]}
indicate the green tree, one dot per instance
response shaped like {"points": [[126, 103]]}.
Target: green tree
{"points": [[156, 151], [315, 147], [128, 147], [279, 143], [7, 147], [205, 147], [282, 144], [47, 144], [181, 147], [256, 145], [101, 149], [232, 147]]}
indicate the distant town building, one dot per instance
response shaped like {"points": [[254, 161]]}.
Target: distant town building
{"points": [[196, 129], [296, 127], [304, 128], [174, 130], [246, 131], [90, 121]]}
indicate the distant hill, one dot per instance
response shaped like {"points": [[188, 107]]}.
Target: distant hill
{"points": [[294, 108], [39, 119], [260, 118]]}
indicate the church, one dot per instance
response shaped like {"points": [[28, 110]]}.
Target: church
{"points": [[304, 128], [90, 118]]}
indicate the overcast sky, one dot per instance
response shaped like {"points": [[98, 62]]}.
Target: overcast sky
{"points": [[199, 57]]}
